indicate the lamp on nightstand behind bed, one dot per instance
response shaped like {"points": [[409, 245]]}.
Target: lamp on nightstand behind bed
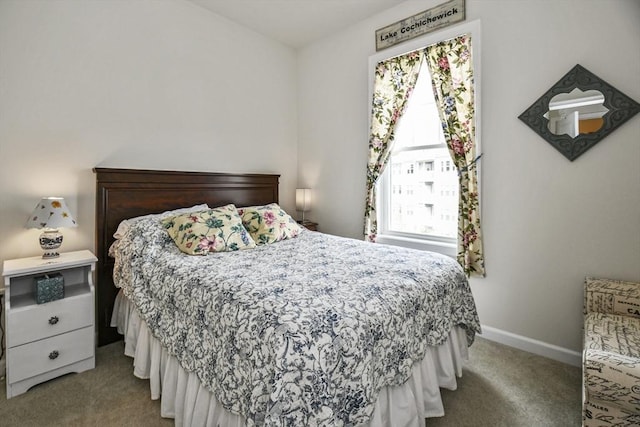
{"points": [[50, 214], [303, 201]]}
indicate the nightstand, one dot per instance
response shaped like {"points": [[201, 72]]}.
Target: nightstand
{"points": [[313, 226], [47, 340]]}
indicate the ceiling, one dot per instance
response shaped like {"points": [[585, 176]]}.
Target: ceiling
{"points": [[296, 23]]}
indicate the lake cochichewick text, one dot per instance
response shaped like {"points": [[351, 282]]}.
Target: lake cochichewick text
{"points": [[421, 23]]}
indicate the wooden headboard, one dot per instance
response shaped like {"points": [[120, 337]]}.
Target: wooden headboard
{"points": [[127, 193]]}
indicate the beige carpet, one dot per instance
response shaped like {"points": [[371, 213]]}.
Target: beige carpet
{"points": [[500, 386]]}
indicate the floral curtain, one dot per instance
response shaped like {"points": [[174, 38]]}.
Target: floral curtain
{"points": [[395, 79], [451, 68]]}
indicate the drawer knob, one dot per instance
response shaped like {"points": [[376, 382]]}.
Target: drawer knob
{"points": [[53, 320], [54, 354]]}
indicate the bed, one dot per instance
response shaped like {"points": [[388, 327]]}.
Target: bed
{"points": [[305, 331]]}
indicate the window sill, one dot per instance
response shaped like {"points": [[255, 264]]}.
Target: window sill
{"points": [[449, 249]]}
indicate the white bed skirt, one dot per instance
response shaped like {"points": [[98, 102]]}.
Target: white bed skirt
{"points": [[190, 404]]}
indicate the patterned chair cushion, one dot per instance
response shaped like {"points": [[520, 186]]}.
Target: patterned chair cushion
{"points": [[612, 363], [612, 333], [612, 380]]}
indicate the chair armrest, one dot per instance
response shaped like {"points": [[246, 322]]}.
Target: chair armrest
{"points": [[612, 378], [612, 297]]}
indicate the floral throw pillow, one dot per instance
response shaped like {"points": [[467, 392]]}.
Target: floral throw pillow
{"points": [[269, 223], [212, 230]]}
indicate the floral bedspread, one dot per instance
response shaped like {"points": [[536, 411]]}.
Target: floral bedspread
{"points": [[304, 331]]}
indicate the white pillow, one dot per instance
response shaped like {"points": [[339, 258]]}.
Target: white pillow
{"points": [[124, 225]]}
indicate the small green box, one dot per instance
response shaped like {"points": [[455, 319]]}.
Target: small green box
{"points": [[49, 287]]}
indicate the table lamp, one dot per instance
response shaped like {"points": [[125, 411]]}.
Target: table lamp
{"points": [[50, 214], [303, 201]]}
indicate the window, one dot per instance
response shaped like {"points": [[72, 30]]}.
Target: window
{"points": [[435, 178], [427, 206]]}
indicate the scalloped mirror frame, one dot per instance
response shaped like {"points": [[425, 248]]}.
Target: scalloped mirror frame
{"points": [[621, 108]]}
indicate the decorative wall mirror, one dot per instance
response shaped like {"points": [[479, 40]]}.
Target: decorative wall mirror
{"points": [[578, 111]]}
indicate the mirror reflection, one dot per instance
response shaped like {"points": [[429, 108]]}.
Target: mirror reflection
{"points": [[576, 112]]}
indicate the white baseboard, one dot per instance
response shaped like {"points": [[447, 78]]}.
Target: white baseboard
{"points": [[532, 346]]}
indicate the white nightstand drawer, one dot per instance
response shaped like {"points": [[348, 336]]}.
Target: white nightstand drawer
{"points": [[53, 318], [45, 355]]}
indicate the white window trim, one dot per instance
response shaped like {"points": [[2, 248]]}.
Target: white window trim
{"points": [[445, 246]]}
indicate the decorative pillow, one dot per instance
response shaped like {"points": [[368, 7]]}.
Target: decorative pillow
{"points": [[269, 223], [213, 230], [124, 225]]}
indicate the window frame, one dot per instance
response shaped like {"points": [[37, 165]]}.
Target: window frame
{"points": [[443, 245]]}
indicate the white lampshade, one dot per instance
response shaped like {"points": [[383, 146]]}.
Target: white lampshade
{"points": [[50, 214], [303, 199]]}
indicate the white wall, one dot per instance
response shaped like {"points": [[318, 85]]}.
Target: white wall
{"points": [[154, 84], [547, 222]]}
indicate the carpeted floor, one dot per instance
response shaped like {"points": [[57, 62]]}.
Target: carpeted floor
{"points": [[503, 386], [500, 386]]}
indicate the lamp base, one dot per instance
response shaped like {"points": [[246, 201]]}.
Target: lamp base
{"points": [[50, 240]]}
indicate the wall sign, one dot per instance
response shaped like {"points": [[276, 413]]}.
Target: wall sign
{"points": [[420, 23]]}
